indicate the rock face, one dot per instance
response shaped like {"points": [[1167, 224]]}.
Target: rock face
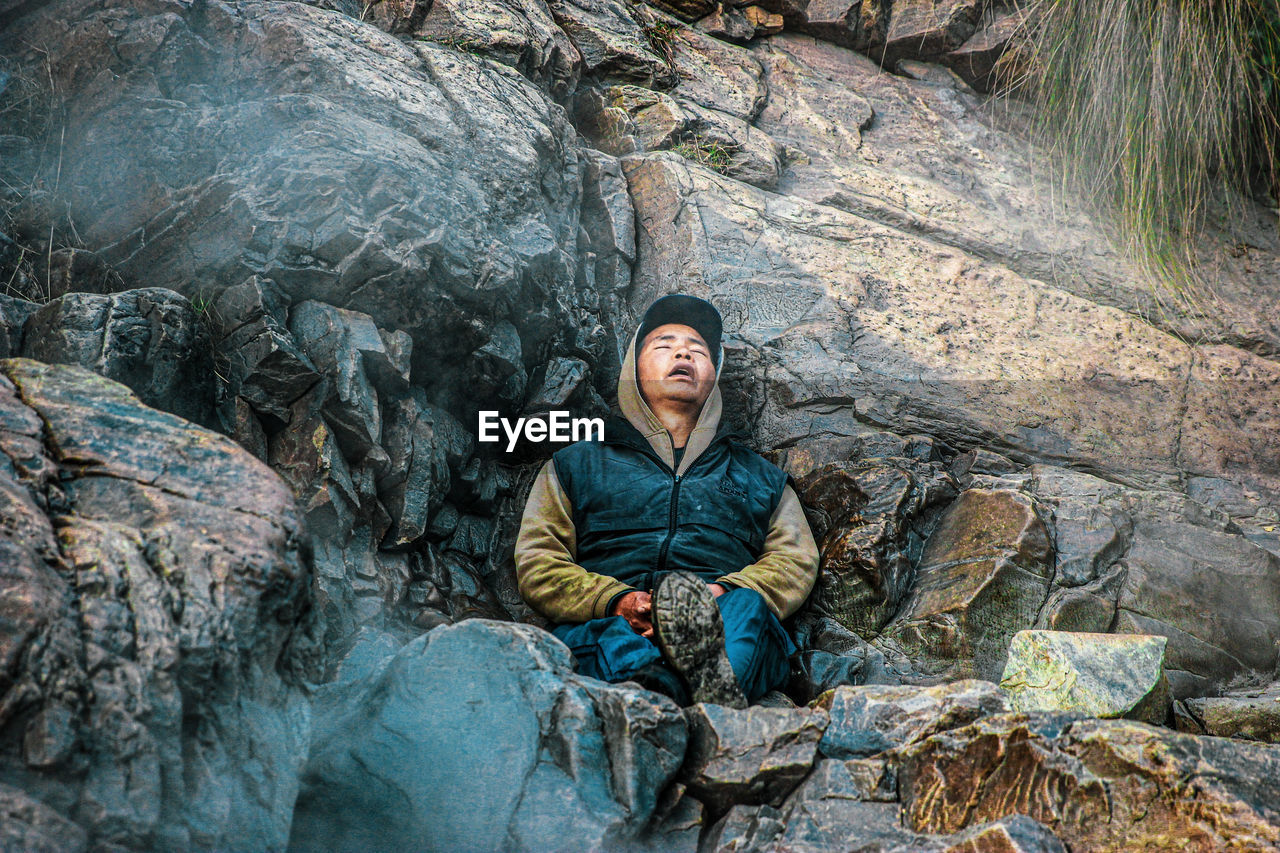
{"points": [[1104, 785], [478, 736], [867, 514], [1101, 675], [152, 340], [983, 576], [1253, 716], [149, 623], [752, 757], [338, 230], [869, 720]]}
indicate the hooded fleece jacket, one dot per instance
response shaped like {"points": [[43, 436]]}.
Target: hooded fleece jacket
{"points": [[554, 584]]}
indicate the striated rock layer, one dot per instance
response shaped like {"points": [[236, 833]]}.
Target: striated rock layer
{"points": [[150, 613]]}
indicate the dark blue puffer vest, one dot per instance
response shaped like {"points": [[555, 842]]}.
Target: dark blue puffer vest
{"points": [[635, 519]]}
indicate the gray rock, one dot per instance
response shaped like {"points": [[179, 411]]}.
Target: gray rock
{"points": [[866, 513], [263, 364], [678, 831], [28, 824], [992, 57], [13, 317], [727, 23], [685, 10], [337, 341], [1014, 834], [861, 26], [923, 29], [151, 339], [421, 164], [824, 812], [488, 715], [754, 756], [745, 829], [718, 76], [1249, 716], [1150, 549], [872, 719], [983, 576], [162, 709], [519, 33], [613, 45], [631, 118], [1101, 675], [424, 444], [831, 655]]}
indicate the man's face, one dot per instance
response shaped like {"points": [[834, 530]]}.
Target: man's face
{"points": [[675, 365]]}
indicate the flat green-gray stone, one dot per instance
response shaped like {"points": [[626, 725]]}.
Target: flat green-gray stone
{"points": [[1102, 675]]}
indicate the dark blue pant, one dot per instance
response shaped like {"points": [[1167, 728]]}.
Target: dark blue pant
{"points": [[757, 644]]}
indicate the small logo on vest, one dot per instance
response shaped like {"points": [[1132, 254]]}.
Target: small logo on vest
{"points": [[731, 488]]}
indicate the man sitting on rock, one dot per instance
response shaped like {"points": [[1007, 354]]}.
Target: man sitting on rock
{"points": [[667, 553]]}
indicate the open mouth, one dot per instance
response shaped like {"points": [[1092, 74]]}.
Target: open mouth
{"points": [[679, 371]]}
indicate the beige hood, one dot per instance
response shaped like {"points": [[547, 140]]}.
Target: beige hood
{"points": [[637, 411]]}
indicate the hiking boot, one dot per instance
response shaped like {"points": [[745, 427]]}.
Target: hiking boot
{"points": [[688, 628]]}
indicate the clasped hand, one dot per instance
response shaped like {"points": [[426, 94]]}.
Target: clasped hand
{"points": [[637, 608]]}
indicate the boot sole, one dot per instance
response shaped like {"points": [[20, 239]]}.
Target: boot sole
{"points": [[690, 633]]}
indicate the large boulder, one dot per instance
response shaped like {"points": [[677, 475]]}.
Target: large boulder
{"points": [[314, 150], [1102, 675], [867, 515], [1162, 563], [872, 719], [752, 756], [1099, 785], [983, 576], [478, 736], [1248, 716], [150, 638]]}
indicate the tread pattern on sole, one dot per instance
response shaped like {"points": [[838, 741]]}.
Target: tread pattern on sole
{"points": [[690, 633]]}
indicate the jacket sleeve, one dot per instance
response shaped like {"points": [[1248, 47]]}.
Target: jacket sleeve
{"points": [[788, 566], [549, 579]]}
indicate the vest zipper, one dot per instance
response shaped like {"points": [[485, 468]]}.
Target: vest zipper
{"points": [[671, 523]]}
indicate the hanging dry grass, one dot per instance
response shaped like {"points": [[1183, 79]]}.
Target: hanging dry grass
{"points": [[1164, 112]]}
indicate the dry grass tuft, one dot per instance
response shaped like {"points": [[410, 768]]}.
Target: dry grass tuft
{"points": [[1166, 113]]}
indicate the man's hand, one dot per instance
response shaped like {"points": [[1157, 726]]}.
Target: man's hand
{"points": [[716, 590], [637, 608]]}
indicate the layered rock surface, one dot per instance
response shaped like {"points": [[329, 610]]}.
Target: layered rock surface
{"points": [[150, 624]]}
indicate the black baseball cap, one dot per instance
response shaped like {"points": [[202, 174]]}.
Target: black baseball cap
{"points": [[698, 314]]}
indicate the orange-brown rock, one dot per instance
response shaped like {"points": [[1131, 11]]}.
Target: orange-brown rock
{"points": [[1105, 786], [983, 576]]}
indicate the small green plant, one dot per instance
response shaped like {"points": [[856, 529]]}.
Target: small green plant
{"points": [[706, 152], [662, 38]]}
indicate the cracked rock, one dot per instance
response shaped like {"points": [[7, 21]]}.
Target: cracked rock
{"points": [[150, 339], [488, 715], [1102, 675], [983, 576], [871, 719], [180, 659], [752, 756], [1100, 785]]}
